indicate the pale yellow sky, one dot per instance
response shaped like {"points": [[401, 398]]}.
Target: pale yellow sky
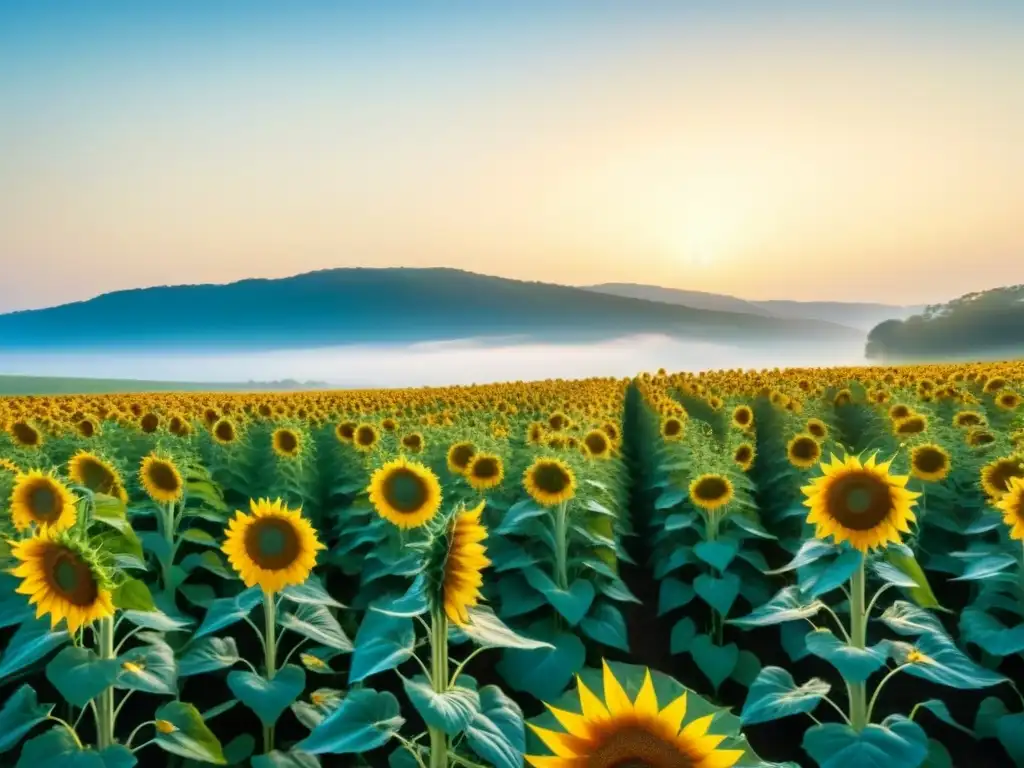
{"points": [[827, 159]]}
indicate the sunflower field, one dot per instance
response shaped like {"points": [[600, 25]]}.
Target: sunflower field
{"points": [[801, 567]]}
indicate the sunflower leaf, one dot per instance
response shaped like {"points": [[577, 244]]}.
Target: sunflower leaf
{"points": [[496, 732], [896, 741], [487, 630], [382, 642], [365, 720], [134, 595], [774, 695], [451, 711], [208, 654], [79, 675], [225, 611], [316, 623], [268, 698], [57, 748], [190, 738], [20, 714], [789, 604]]}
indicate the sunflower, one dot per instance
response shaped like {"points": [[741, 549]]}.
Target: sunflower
{"points": [[9, 466], [345, 431], [92, 472], [967, 419], [485, 471], [1008, 400], [911, 425], [463, 567], [150, 423], [41, 499], [817, 428], [744, 456], [1012, 507], [995, 477], [225, 432], [672, 428], [62, 577], [742, 417], [930, 462], [413, 442], [459, 456], [535, 433], [803, 451], [273, 547], [405, 493], [899, 411], [617, 732], [549, 481], [25, 435], [597, 443], [977, 436], [365, 438], [161, 479], [87, 427], [286, 443], [709, 492], [179, 426], [860, 503]]}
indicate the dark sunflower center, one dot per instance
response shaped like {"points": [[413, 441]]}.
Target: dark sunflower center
{"points": [[900, 412], [551, 478], [816, 429], [485, 468], [911, 426], [1003, 471], [742, 417], [26, 434], [287, 442], [161, 474], [805, 449], [46, 503], [95, 476], [929, 460], [743, 454], [411, 441], [149, 422], [86, 428], [461, 455], [859, 501], [70, 576], [633, 746], [272, 543], [982, 438], [347, 431], [673, 427], [365, 436], [596, 442], [405, 490], [225, 431], [711, 488]]}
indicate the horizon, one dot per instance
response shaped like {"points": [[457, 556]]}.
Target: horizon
{"points": [[857, 153]]}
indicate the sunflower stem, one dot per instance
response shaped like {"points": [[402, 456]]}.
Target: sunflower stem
{"points": [[105, 700], [562, 545], [858, 639], [167, 524], [438, 680], [270, 647]]}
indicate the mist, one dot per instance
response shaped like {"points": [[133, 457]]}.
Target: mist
{"points": [[467, 361]]}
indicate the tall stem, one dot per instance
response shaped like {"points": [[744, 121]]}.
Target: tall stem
{"points": [[562, 546], [439, 680], [858, 639], [270, 648], [168, 531], [105, 701]]}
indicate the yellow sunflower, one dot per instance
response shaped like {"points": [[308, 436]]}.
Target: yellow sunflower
{"points": [[996, 476], [710, 491], [9, 466], [803, 451], [413, 442], [744, 456], [92, 472], [598, 444], [62, 578], [930, 462], [911, 425], [618, 732], [161, 479], [273, 547], [860, 502], [459, 457], [25, 435], [286, 443], [467, 558], [225, 432], [345, 431], [405, 493], [1012, 507], [41, 499], [672, 428], [978, 436], [742, 417], [485, 471], [817, 428], [365, 438], [967, 419], [549, 481]]}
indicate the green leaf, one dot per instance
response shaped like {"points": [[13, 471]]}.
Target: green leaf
{"points": [[892, 575], [544, 672], [682, 635], [515, 519], [134, 595], [31, 642], [572, 603], [606, 625], [717, 662], [208, 654], [496, 732], [748, 667], [856, 665], [290, 759], [774, 695], [57, 748], [896, 741], [719, 593], [226, 611], [670, 498], [239, 749], [20, 714], [946, 664], [14, 608], [190, 737], [210, 561], [938, 708], [921, 592], [365, 720], [268, 698], [220, 709], [206, 492], [821, 581], [990, 634], [516, 596], [990, 711], [810, 551], [79, 675], [488, 631], [110, 511], [201, 537], [156, 619], [317, 623], [906, 619], [1010, 732], [788, 605], [718, 554], [986, 567], [451, 711], [938, 756], [310, 592], [158, 670], [673, 594], [383, 642]]}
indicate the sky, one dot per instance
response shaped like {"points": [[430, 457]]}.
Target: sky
{"points": [[866, 151]]}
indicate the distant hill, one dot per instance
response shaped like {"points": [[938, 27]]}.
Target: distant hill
{"points": [[378, 306], [56, 385], [860, 315], [977, 325]]}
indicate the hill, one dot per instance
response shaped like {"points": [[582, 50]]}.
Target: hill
{"points": [[860, 315], [56, 385], [977, 325], [378, 306]]}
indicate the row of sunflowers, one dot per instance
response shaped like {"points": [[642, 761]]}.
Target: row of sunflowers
{"points": [[449, 577]]}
